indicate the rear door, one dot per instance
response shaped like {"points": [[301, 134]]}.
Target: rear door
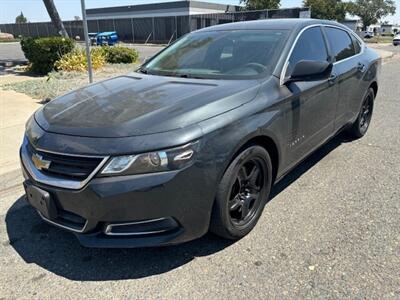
{"points": [[313, 103], [349, 67]]}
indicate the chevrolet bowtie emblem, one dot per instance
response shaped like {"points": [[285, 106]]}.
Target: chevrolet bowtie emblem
{"points": [[39, 162]]}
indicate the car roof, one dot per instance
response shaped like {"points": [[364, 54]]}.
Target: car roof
{"points": [[285, 24], [107, 33]]}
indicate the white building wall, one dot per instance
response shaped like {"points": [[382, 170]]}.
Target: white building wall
{"points": [[154, 13], [140, 14]]}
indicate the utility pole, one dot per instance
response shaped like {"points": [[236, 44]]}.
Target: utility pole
{"points": [[85, 32], [55, 17]]}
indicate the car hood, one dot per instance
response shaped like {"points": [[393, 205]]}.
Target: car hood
{"points": [[139, 104]]}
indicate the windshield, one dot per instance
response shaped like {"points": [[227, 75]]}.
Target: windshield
{"points": [[220, 54]]}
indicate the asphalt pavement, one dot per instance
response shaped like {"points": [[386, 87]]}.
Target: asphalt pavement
{"points": [[330, 231], [11, 52]]}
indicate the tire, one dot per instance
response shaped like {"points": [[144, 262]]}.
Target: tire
{"points": [[360, 126], [242, 194]]}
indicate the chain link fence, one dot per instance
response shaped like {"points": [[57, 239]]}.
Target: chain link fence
{"points": [[152, 29]]}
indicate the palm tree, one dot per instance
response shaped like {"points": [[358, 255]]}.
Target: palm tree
{"points": [[55, 17]]}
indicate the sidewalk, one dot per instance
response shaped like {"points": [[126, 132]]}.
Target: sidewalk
{"points": [[383, 53], [380, 49], [15, 109]]}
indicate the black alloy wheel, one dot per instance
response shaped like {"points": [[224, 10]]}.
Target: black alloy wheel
{"points": [[366, 112], [245, 196], [361, 125], [242, 193]]}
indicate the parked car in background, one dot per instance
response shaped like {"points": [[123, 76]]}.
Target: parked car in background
{"points": [[396, 40], [107, 38], [195, 139], [93, 38], [368, 34]]}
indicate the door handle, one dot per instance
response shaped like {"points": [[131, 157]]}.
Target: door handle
{"points": [[332, 78], [361, 67]]}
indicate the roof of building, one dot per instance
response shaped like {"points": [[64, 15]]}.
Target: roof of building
{"points": [[164, 5]]}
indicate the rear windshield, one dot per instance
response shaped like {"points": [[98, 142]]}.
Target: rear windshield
{"points": [[220, 54]]}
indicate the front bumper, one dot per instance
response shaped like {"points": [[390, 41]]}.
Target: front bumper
{"points": [[147, 210]]}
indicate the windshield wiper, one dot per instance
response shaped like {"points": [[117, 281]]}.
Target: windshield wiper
{"points": [[145, 71], [189, 76]]}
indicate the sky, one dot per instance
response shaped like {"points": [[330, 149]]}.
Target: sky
{"points": [[35, 11]]}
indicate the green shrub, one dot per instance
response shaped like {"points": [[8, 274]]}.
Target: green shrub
{"points": [[76, 60], [42, 53], [120, 55]]}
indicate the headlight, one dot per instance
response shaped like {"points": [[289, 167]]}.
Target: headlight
{"points": [[151, 162]]}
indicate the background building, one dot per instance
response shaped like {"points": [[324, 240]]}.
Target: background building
{"points": [[156, 22], [167, 9]]}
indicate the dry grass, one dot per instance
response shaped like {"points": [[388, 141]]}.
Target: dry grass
{"points": [[58, 83], [379, 39]]}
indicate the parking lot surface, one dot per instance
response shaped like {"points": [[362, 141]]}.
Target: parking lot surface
{"points": [[331, 230], [11, 52]]}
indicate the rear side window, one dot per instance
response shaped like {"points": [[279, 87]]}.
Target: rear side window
{"points": [[309, 46], [356, 43], [340, 43]]}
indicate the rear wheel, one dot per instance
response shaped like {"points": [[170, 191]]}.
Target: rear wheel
{"points": [[360, 126], [242, 194]]}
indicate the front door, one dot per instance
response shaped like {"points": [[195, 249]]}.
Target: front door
{"points": [[311, 114]]}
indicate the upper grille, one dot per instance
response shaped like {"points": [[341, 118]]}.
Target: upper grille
{"points": [[66, 166]]}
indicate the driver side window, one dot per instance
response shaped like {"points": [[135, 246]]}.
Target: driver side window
{"points": [[309, 46]]}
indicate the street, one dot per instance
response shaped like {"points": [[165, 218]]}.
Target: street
{"points": [[11, 52], [331, 230]]}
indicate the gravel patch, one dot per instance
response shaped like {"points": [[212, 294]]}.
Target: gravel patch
{"points": [[58, 83]]}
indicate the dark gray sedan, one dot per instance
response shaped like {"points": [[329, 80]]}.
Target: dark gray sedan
{"points": [[194, 140]]}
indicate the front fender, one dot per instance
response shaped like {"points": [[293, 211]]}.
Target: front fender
{"points": [[227, 134]]}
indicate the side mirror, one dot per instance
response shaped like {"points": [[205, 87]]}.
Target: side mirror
{"points": [[310, 70]]}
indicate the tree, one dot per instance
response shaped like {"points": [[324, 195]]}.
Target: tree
{"points": [[77, 18], [371, 11], [261, 4], [20, 19], [55, 17], [327, 9]]}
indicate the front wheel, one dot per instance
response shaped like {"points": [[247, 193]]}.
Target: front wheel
{"points": [[360, 126], [242, 193]]}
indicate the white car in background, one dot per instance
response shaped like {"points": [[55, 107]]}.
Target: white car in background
{"points": [[396, 39], [368, 34]]}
